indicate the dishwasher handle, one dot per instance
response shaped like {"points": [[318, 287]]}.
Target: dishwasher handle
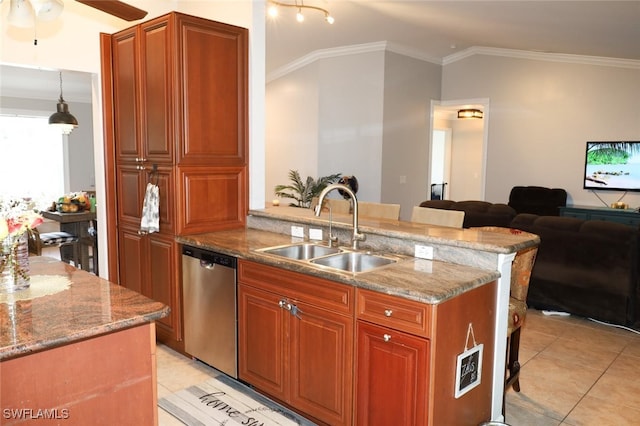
{"points": [[207, 264]]}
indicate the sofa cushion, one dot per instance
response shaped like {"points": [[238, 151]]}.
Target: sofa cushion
{"points": [[476, 212], [588, 268]]}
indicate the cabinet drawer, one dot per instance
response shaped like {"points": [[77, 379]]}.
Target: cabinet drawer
{"points": [[620, 218], [298, 287], [394, 312]]}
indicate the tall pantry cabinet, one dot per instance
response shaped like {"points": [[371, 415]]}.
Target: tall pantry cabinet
{"points": [[175, 113]]}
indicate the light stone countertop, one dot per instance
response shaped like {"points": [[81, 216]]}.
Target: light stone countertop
{"points": [[466, 258], [422, 280], [468, 238]]}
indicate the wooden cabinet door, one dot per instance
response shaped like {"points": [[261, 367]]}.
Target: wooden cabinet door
{"points": [[131, 181], [156, 91], [392, 377], [321, 353], [126, 89], [132, 261], [212, 74], [262, 338], [211, 198], [162, 277]]}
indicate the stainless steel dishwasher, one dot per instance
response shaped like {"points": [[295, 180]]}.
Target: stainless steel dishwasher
{"points": [[210, 317]]}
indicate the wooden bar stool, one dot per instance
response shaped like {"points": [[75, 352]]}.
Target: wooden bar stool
{"points": [[52, 239]]}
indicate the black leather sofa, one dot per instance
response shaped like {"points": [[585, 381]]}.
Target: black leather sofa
{"points": [[476, 213], [584, 267], [537, 200]]}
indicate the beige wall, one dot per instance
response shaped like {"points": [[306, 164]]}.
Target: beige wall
{"points": [[409, 86], [367, 115], [542, 110], [542, 113]]}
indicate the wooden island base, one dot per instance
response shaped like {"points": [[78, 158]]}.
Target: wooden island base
{"points": [[104, 380]]}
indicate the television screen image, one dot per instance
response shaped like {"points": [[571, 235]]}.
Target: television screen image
{"points": [[612, 166]]}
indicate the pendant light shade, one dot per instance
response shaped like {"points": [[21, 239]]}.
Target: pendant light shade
{"points": [[47, 10], [62, 118], [20, 14]]}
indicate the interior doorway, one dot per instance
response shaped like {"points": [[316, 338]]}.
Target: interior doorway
{"points": [[440, 163], [463, 168]]}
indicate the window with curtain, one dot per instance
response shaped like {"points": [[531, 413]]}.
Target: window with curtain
{"points": [[32, 159]]}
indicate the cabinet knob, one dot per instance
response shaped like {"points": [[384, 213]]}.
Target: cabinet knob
{"points": [[388, 312], [386, 337], [284, 304]]}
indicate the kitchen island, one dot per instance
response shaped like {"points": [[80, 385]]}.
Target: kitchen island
{"points": [[75, 346], [433, 308]]}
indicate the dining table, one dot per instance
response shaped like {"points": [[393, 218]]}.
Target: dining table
{"points": [[83, 225]]}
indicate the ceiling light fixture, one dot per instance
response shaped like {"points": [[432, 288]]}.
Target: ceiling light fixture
{"points": [[298, 4], [62, 118], [23, 13], [470, 113]]}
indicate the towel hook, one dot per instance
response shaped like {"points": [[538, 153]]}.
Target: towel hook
{"points": [[154, 173]]}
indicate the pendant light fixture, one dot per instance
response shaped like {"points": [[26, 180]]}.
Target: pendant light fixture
{"points": [[62, 118]]}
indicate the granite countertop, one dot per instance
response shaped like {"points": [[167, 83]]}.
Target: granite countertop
{"points": [[79, 306], [467, 238], [412, 278]]}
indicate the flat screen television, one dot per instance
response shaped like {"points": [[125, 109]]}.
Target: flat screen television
{"points": [[613, 166]]}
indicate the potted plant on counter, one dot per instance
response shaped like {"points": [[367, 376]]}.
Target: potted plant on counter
{"points": [[303, 192]]}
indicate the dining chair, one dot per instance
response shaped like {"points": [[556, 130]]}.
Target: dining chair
{"points": [[519, 287], [52, 239], [379, 210], [441, 217], [339, 206]]}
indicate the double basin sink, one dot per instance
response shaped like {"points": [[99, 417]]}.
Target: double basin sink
{"points": [[340, 259]]}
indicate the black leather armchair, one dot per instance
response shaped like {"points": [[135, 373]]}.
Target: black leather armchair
{"points": [[537, 200]]}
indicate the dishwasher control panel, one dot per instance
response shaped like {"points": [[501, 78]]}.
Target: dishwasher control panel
{"points": [[210, 257]]}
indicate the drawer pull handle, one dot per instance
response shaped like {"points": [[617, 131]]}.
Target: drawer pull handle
{"points": [[386, 337], [388, 312]]}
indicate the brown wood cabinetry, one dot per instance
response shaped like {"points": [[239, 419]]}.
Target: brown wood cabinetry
{"points": [[407, 353], [175, 91], [295, 335], [393, 360], [392, 377]]}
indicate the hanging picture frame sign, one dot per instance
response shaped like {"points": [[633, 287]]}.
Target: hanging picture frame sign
{"points": [[469, 365]]}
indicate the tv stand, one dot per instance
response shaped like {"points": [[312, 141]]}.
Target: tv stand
{"points": [[629, 217]]}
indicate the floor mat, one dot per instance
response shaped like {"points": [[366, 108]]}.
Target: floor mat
{"points": [[224, 401]]}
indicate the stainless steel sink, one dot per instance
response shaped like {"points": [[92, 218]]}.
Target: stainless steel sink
{"points": [[303, 251], [353, 261]]}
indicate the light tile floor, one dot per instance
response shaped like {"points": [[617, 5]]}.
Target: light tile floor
{"points": [[574, 372]]}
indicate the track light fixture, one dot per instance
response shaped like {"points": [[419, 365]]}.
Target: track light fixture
{"points": [[62, 118], [298, 4]]}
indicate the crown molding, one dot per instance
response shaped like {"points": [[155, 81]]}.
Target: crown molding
{"points": [[476, 50], [354, 49], [542, 56]]}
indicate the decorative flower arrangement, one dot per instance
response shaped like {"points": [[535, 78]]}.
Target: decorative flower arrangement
{"points": [[16, 218]]}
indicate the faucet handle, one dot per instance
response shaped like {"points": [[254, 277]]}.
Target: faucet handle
{"points": [[356, 238]]}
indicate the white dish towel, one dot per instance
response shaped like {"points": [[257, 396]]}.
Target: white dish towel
{"points": [[150, 221]]}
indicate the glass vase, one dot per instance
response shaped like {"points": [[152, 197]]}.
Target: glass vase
{"points": [[14, 263]]}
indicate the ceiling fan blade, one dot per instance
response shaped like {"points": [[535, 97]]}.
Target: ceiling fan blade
{"points": [[116, 8]]}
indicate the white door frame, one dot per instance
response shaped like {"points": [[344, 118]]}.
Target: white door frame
{"points": [[480, 103]]}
